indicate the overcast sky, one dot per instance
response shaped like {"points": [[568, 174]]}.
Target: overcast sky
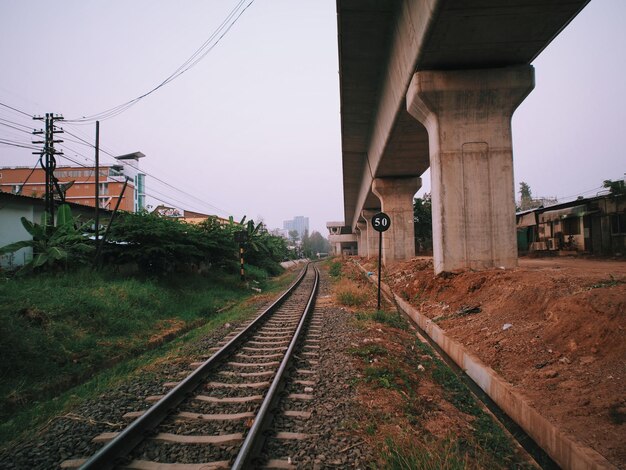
{"points": [[254, 128]]}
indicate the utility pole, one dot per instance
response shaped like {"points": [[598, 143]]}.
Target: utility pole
{"points": [[97, 181], [49, 164], [100, 243]]}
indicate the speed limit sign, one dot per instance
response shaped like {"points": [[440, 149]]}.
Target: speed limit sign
{"points": [[381, 222]]}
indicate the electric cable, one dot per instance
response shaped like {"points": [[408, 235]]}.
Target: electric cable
{"points": [[18, 144], [193, 60], [151, 193], [16, 110], [16, 123], [30, 174], [204, 203]]}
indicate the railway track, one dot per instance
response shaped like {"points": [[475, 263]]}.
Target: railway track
{"points": [[221, 414]]}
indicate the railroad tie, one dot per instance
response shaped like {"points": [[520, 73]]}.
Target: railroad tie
{"points": [[300, 396], [253, 364], [279, 464], [148, 465], [259, 356], [290, 436], [265, 373], [223, 439], [279, 348], [309, 383], [210, 399], [215, 417], [242, 385], [297, 414]]}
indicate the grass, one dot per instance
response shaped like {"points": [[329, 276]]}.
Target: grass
{"points": [[388, 376], [611, 282], [58, 332], [368, 352], [393, 319], [349, 294], [436, 455], [488, 435], [408, 443]]}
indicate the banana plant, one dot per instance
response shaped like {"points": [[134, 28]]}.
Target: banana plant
{"points": [[52, 244]]}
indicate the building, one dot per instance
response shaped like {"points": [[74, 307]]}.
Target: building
{"points": [[13, 207], [594, 225], [79, 183], [298, 223], [280, 232], [190, 217], [342, 240]]}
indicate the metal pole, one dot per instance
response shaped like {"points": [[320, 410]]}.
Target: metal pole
{"points": [[97, 180], [106, 232], [380, 260], [243, 273]]}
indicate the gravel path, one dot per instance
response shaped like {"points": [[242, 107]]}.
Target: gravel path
{"points": [[332, 444]]}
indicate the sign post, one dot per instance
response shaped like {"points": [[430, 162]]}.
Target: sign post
{"points": [[241, 237], [381, 223]]}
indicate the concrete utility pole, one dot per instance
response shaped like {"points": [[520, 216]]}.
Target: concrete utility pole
{"points": [[97, 214], [49, 164]]}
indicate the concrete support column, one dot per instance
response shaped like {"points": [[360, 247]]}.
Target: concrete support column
{"points": [[396, 198], [337, 249], [468, 117], [362, 238], [372, 235]]}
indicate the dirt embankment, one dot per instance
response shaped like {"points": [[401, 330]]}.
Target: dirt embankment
{"points": [[555, 329]]}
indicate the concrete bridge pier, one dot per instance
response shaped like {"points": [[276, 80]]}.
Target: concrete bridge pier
{"points": [[361, 230], [468, 117], [372, 235], [396, 197]]}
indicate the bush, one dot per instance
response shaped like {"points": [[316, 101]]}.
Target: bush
{"points": [[335, 269], [159, 245]]}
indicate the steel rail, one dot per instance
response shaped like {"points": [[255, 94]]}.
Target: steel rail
{"points": [[119, 447], [255, 438]]}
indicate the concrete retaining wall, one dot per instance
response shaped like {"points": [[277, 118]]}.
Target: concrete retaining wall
{"points": [[293, 263], [559, 446]]}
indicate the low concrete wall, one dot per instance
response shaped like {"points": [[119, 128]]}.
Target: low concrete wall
{"points": [[559, 446], [293, 263]]}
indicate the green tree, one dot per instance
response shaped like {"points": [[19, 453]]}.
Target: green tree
{"points": [[423, 222], [294, 236], [314, 244], [159, 245], [526, 196], [615, 187]]}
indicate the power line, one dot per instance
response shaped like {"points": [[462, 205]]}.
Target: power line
{"points": [[204, 203], [16, 110], [17, 124], [16, 128], [29, 175], [13, 143], [193, 60], [150, 194]]}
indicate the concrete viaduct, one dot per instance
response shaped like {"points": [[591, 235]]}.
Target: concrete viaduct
{"points": [[434, 83]]}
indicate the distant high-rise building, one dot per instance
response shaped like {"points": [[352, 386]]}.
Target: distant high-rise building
{"points": [[298, 223]]}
